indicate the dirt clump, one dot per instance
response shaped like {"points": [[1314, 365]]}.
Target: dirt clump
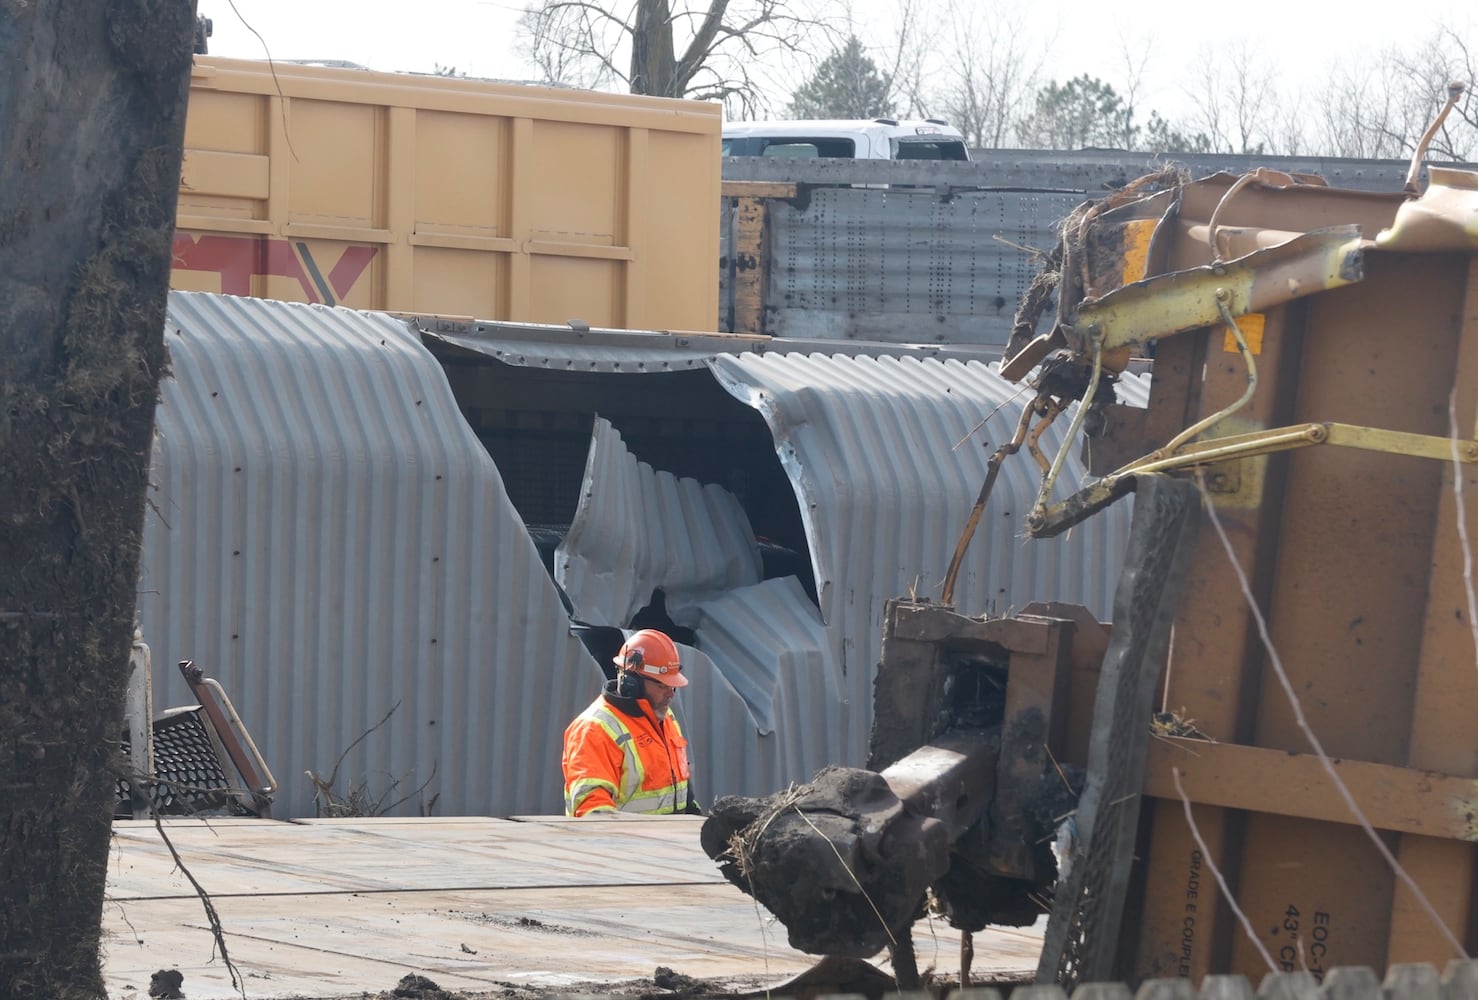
{"points": [[415, 987], [166, 984]]}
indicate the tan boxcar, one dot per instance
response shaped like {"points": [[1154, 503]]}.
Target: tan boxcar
{"points": [[439, 195], [1316, 364]]}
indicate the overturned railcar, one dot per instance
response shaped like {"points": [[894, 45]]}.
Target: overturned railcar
{"points": [[1315, 360], [1283, 701]]}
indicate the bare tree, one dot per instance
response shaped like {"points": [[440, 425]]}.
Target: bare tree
{"points": [[92, 123], [713, 50], [1381, 109], [1288, 128], [992, 70], [1420, 82], [1465, 69], [1353, 115], [1232, 98], [1134, 53], [902, 54]]}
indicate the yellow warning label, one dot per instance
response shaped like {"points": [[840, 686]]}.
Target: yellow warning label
{"points": [[1251, 327], [1137, 236]]}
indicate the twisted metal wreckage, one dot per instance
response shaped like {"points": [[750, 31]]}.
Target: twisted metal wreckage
{"points": [[1281, 315]]}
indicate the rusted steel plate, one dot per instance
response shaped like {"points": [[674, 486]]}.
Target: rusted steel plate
{"points": [[933, 623], [758, 189], [751, 263]]}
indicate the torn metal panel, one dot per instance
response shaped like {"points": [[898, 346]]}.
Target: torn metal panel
{"points": [[772, 709], [561, 348], [638, 530], [332, 539], [1444, 218], [886, 456], [328, 538], [584, 349], [772, 647], [1197, 226]]}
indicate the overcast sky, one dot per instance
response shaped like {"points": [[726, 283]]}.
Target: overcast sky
{"points": [[1303, 41]]}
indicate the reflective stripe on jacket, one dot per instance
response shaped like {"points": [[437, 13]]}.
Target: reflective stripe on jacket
{"points": [[614, 761]]}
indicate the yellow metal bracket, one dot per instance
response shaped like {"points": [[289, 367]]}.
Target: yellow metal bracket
{"points": [[1174, 303], [1050, 520]]}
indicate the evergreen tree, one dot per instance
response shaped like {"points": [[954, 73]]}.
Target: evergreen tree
{"points": [[847, 84], [1083, 112], [1160, 136]]}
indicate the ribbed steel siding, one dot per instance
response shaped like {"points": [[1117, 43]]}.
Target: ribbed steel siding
{"points": [[869, 444], [637, 529], [908, 266], [331, 540], [764, 707]]}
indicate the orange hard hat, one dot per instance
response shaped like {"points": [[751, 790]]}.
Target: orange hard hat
{"points": [[652, 655]]}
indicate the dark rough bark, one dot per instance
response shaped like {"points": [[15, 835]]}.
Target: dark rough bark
{"points": [[656, 67], [653, 63], [92, 109]]}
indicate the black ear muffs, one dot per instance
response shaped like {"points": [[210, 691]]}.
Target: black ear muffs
{"points": [[628, 685]]}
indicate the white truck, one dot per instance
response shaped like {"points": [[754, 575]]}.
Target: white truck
{"points": [[870, 139]]}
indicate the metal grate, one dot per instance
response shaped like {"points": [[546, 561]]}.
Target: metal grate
{"points": [[189, 778]]}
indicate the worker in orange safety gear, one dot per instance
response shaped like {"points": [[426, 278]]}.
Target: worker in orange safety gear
{"points": [[626, 751]]}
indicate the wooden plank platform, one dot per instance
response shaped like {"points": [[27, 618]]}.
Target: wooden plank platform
{"points": [[330, 908]]}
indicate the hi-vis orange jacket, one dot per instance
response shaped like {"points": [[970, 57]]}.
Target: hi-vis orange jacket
{"points": [[617, 756]]}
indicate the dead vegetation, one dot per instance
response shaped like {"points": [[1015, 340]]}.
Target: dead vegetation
{"points": [[360, 799]]}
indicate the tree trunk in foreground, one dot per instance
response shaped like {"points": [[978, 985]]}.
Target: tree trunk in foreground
{"points": [[92, 112]]}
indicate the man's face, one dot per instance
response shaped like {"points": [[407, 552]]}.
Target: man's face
{"points": [[659, 694]]}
